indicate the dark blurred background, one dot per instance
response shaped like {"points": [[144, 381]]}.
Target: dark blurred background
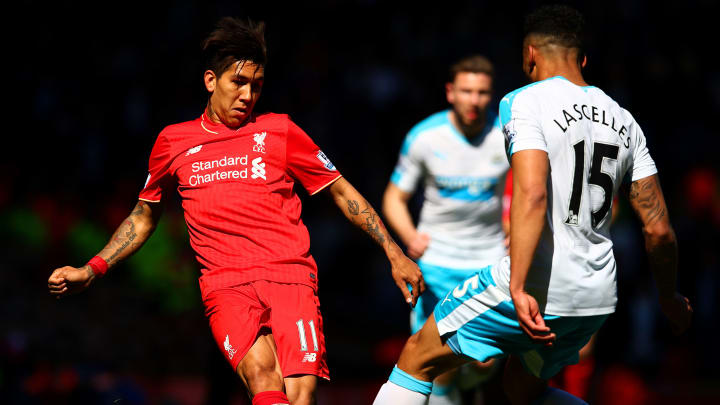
{"points": [[92, 84]]}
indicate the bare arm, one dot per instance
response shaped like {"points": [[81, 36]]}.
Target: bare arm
{"points": [[646, 198], [127, 239], [527, 219], [358, 211], [395, 209]]}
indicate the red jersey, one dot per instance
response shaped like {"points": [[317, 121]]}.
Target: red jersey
{"points": [[236, 187]]}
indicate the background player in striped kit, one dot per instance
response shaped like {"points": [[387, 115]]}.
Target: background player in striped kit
{"points": [[458, 154], [235, 172], [570, 147]]}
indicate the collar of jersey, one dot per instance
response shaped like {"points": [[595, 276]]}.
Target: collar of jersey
{"points": [[215, 127], [563, 77]]}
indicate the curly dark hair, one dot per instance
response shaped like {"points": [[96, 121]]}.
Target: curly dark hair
{"points": [[234, 40], [558, 25]]}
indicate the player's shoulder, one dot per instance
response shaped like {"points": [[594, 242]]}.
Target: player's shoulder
{"points": [[533, 96], [531, 90], [270, 121], [180, 127], [438, 119], [425, 128]]}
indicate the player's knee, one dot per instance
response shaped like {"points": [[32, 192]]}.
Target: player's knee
{"points": [[262, 377]]}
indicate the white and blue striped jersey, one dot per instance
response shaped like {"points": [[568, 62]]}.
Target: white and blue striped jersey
{"points": [[592, 145], [464, 181]]}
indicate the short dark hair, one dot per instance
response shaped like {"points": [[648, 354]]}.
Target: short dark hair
{"points": [[472, 64], [559, 25], [234, 40]]}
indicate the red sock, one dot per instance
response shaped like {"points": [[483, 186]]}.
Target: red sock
{"points": [[270, 398]]}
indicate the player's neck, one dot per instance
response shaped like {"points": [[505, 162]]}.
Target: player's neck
{"points": [[570, 71]]}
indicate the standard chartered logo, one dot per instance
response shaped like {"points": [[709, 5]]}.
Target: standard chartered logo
{"points": [[225, 168], [258, 168]]}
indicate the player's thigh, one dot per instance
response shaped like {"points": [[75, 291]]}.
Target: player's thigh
{"points": [[259, 369], [300, 389], [236, 317], [297, 327], [426, 356]]}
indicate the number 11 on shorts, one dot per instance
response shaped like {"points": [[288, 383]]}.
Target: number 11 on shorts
{"points": [[303, 339]]}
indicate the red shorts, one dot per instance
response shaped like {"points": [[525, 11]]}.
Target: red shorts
{"points": [[291, 312]]}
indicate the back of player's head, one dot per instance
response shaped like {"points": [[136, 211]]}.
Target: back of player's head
{"points": [[471, 64], [556, 24], [234, 40]]}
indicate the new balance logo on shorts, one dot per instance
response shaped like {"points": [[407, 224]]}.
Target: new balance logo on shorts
{"points": [[309, 358]]}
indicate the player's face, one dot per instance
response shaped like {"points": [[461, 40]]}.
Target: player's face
{"points": [[470, 95], [234, 93]]}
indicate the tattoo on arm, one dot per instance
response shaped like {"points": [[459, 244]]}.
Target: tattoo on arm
{"points": [[353, 207], [124, 236], [646, 197], [127, 236], [368, 220]]}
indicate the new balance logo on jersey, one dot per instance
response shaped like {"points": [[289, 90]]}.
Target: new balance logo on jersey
{"points": [[258, 168], [193, 150], [228, 347], [259, 139], [309, 358]]}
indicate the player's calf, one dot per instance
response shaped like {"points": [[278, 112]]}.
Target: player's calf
{"points": [[423, 358], [301, 389]]}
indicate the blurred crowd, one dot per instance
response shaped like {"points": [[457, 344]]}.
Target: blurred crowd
{"points": [[95, 86]]}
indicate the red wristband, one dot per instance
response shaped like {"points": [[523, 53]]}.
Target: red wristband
{"points": [[98, 265]]}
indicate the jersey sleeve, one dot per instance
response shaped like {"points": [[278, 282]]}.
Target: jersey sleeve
{"points": [[159, 177], [643, 164], [519, 116], [409, 167], [306, 162]]}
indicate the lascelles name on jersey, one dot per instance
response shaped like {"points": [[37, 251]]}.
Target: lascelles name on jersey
{"points": [[594, 114]]}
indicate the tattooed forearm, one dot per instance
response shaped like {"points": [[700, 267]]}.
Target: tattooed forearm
{"points": [[125, 235], [369, 221], [662, 257], [646, 198], [372, 225], [131, 234]]}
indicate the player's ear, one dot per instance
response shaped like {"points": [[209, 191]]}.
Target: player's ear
{"points": [[449, 92], [210, 80], [584, 61], [530, 60]]}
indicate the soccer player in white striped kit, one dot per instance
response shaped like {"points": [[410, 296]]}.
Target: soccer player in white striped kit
{"points": [[459, 156], [570, 147]]}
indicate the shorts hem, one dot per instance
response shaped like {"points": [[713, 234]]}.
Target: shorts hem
{"points": [[317, 373]]}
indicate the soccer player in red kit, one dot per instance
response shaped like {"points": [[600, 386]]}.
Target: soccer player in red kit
{"points": [[235, 172]]}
